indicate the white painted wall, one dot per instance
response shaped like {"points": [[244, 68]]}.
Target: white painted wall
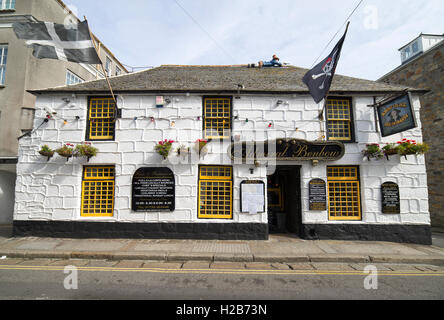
{"points": [[52, 190]]}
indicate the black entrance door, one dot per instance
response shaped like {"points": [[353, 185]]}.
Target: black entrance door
{"points": [[284, 200]]}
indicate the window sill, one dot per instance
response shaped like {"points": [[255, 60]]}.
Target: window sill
{"points": [[7, 10]]}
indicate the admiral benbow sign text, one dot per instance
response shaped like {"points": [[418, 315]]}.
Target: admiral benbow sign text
{"points": [[288, 150]]}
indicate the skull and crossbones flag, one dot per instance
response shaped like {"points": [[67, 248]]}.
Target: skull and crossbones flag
{"points": [[58, 41], [319, 79]]}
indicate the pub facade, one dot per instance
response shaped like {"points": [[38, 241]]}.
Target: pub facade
{"points": [[248, 153]]}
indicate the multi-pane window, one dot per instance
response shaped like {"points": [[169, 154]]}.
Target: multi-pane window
{"points": [[217, 118], [118, 71], [215, 192], [7, 4], [108, 66], [3, 58], [72, 78], [101, 119], [339, 120], [344, 193], [98, 192]]}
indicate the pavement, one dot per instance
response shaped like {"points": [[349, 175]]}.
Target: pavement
{"points": [[278, 249]]}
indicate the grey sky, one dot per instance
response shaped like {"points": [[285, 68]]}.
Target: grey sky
{"points": [[156, 32]]}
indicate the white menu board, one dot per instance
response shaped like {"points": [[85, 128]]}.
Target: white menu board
{"points": [[253, 197]]}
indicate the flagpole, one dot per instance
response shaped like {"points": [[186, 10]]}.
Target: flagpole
{"points": [[101, 64], [321, 114]]}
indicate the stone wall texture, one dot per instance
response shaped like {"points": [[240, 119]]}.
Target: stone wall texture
{"points": [[427, 71]]}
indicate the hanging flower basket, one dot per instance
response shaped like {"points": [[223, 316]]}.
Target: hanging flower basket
{"points": [[67, 151], [86, 150], [411, 147], [164, 147], [389, 150], [201, 147], [373, 150], [46, 151]]}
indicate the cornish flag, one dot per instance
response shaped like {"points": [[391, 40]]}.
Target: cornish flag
{"points": [[57, 41], [319, 79]]}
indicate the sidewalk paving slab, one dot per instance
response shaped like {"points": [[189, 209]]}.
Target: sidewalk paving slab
{"points": [[227, 265], [13, 261], [233, 257], [71, 262], [162, 265], [258, 266], [271, 257], [189, 256], [339, 258], [101, 263], [196, 265], [280, 266], [36, 262], [139, 256], [332, 267], [129, 264]]}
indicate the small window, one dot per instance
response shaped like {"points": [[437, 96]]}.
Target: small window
{"points": [[98, 191], [217, 118], [344, 193], [118, 71], [415, 47], [3, 59], [101, 119], [215, 192], [7, 4], [72, 78], [340, 120], [108, 66]]}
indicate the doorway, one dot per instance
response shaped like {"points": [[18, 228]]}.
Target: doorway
{"points": [[284, 200]]}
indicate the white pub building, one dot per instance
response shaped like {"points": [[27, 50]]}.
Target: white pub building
{"points": [[251, 154]]}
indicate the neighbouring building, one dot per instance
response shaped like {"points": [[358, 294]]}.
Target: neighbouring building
{"points": [[20, 71], [271, 163], [423, 67]]}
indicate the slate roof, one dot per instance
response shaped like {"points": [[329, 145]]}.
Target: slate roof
{"points": [[221, 79]]}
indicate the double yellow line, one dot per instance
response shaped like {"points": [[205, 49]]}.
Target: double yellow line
{"points": [[224, 271]]}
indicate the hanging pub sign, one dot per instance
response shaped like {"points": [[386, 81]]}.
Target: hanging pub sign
{"points": [[318, 195], [391, 203], [396, 115], [288, 150], [153, 190]]}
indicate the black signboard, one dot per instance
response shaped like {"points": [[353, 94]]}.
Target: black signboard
{"points": [[318, 195], [289, 150], [153, 190], [396, 116], [391, 203]]}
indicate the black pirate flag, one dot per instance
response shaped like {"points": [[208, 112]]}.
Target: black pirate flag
{"points": [[318, 79]]}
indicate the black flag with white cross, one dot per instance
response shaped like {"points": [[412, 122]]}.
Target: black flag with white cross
{"points": [[58, 41], [319, 79]]}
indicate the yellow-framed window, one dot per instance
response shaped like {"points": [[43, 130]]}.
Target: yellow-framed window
{"points": [[344, 201], [98, 191], [339, 119], [217, 118], [101, 119], [215, 192]]}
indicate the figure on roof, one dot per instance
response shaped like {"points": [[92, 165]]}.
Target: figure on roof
{"points": [[273, 63]]}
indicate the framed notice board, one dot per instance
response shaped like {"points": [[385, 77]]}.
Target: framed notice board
{"points": [[252, 196], [153, 189]]}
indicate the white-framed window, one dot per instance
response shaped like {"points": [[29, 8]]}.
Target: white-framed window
{"points": [[3, 58], [72, 78], [118, 71], [108, 66], [7, 4]]}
